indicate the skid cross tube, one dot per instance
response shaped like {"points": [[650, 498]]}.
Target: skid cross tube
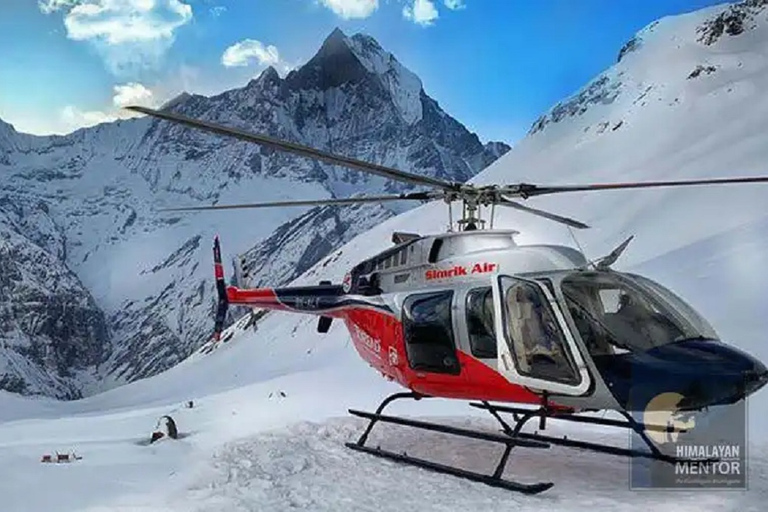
{"points": [[380, 409], [522, 416], [494, 480]]}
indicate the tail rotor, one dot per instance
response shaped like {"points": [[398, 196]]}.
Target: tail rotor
{"points": [[221, 289]]}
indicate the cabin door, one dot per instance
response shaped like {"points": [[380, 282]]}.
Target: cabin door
{"points": [[534, 343]]}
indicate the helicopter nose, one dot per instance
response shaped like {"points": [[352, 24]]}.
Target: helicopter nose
{"points": [[716, 373], [755, 378], [706, 373]]}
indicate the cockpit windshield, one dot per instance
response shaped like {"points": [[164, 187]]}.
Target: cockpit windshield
{"points": [[614, 310]]}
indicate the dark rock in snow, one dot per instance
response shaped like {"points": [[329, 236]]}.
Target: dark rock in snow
{"points": [[733, 21], [51, 329]]}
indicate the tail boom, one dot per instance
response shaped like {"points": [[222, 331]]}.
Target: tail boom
{"points": [[322, 300], [257, 298]]}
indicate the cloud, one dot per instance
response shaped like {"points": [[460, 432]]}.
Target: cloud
{"points": [[455, 5], [130, 94], [240, 54], [49, 6], [349, 9], [73, 118], [116, 22], [128, 34], [422, 12]]}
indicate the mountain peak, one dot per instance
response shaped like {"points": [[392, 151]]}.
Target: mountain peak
{"points": [[7, 134], [336, 43], [176, 101], [343, 59], [335, 36], [269, 75], [6, 126]]}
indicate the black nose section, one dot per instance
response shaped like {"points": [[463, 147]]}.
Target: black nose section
{"points": [[755, 378], [717, 374], [706, 373]]}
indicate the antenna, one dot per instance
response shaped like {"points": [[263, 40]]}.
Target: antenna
{"points": [[606, 262], [576, 240]]}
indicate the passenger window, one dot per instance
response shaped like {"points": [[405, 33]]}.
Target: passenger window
{"points": [[480, 326], [428, 332], [534, 335]]}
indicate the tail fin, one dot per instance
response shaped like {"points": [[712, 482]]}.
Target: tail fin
{"points": [[221, 289]]}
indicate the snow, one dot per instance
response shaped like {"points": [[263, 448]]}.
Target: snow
{"points": [[247, 447], [404, 86], [244, 449]]}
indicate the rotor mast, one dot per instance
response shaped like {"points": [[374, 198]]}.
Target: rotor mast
{"points": [[470, 215], [472, 199]]}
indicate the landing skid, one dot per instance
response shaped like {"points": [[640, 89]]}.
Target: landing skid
{"points": [[510, 438], [522, 416], [494, 480]]}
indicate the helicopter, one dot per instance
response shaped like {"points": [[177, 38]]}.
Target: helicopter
{"points": [[537, 332]]}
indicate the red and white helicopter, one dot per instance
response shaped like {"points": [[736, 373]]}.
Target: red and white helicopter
{"points": [[471, 315]]}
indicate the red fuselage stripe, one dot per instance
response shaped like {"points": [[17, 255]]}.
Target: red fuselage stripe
{"points": [[378, 337]]}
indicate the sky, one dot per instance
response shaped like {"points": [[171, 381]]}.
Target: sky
{"points": [[494, 65]]}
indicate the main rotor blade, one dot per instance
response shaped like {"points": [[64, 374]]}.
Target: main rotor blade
{"points": [[298, 149], [415, 196], [525, 190], [541, 213]]}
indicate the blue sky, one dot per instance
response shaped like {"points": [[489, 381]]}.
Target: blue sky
{"points": [[495, 65]]}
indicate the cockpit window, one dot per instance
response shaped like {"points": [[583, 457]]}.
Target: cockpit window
{"points": [[613, 310], [690, 314]]}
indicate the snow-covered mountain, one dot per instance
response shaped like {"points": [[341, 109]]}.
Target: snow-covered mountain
{"points": [[52, 328], [249, 447], [149, 273]]}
